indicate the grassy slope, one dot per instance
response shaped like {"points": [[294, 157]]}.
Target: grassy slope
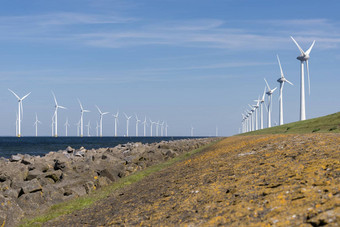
{"points": [[329, 123]]}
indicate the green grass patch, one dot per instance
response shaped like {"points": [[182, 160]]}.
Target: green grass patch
{"points": [[80, 203], [329, 123]]}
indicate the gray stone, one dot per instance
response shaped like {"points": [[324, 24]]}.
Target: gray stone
{"points": [[31, 186], [69, 149], [16, 158]]}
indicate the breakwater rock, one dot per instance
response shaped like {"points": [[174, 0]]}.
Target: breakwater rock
{"points": [[31, 183]]}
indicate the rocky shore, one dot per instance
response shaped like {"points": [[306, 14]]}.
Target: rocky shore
{"points": [[31, 183]]}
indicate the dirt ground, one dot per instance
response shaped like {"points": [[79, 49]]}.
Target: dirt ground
{"points": [[276, 180]]}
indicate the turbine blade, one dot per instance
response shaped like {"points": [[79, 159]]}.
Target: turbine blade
{"points": [[105, 113], [55, 100], [62, 107], [302, 52], [14, 94], [310, 48], [267, 84], [274, 89], [289, 82], [25, 96], [278, 59], [308, 77], [99, 110], [264, 93], [81, 107]]}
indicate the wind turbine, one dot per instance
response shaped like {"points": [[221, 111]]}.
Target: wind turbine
{"points": [[151, 124], [127, 124], [269, 93], [144, 124], [97, 127], [36, 125], [16, 125], [88, 128], [20, 110], [101, 120], [192, 131], [162, 129], [303, 58], [116, 122], [56, 115], [157, 127], [256, 113], [166, 129], [82, 111], [282, 81], [261, 107], [66, 126], [78, 126], [137, 121], [52, 125], [252, 109]]}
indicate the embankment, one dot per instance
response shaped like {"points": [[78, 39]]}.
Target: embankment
{"points": [[268, 180], [29, 184]]}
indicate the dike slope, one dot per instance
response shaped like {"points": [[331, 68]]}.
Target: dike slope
{"points": [[279, 180]]}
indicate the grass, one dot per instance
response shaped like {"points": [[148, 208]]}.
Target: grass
{"points": [[329, 123], [80, 203]]}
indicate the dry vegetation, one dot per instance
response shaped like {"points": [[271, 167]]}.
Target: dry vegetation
{"points": [[279, 180]]}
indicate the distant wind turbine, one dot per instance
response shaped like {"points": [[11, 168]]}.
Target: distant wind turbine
{"points": [[116, 121], [82, 111], [36, 124], [269, 93], [137, 121], [151, 124], [101, 120], [127, 124], [166, 129], [88, 128], [144, 124], [66, 126], [157, 127], [282, 81], [192, 131], [56, 115], [20, 110], [304, 57]]}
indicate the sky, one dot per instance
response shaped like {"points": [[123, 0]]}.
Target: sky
{"points": [[191, 63]]}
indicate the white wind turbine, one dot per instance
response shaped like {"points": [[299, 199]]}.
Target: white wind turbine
{"points": [[36, 124], [127, 124], [151, 124], [56, 115], [144, 124], [256, 107], [269, 93], [52, 125], [137, 121], [66, 126], [116, 121], [261, 107], [82, 111], [101, 120], [88, 128], [192, 131], [97, 127], [157, 127], [252, 110], [20, 110], [78, 127], [162, 129], [166, 128], [282, 81], [303, 58]]}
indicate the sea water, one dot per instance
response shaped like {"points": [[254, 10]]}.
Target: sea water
{"points": [[42, 145]]}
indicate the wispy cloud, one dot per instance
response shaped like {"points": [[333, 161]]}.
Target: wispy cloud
{"points": [[107, 31]]}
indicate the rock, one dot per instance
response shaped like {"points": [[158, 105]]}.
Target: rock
{"points": [[31, 186], [33, 174], [79, 153], [70, 149], [31, 201], [15, 158]]}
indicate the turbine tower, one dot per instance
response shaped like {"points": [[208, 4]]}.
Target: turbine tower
{"points": [[151, 124], [101, 120], [97, 127], [166, 129], [137, 121], [157, 127], [127, 124], [82, 111], [36, 124], [261, 109], [20, 110], [192, 131], [66, 126], [303, 58], [144, 124], [88, 128], [116, 122], [269, 93], [56, 115], [282, 81]]}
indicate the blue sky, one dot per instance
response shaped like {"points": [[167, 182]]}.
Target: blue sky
{"points": [[189, 62]]}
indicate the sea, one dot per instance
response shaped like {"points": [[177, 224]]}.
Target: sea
{"points": [[42, 145]]}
